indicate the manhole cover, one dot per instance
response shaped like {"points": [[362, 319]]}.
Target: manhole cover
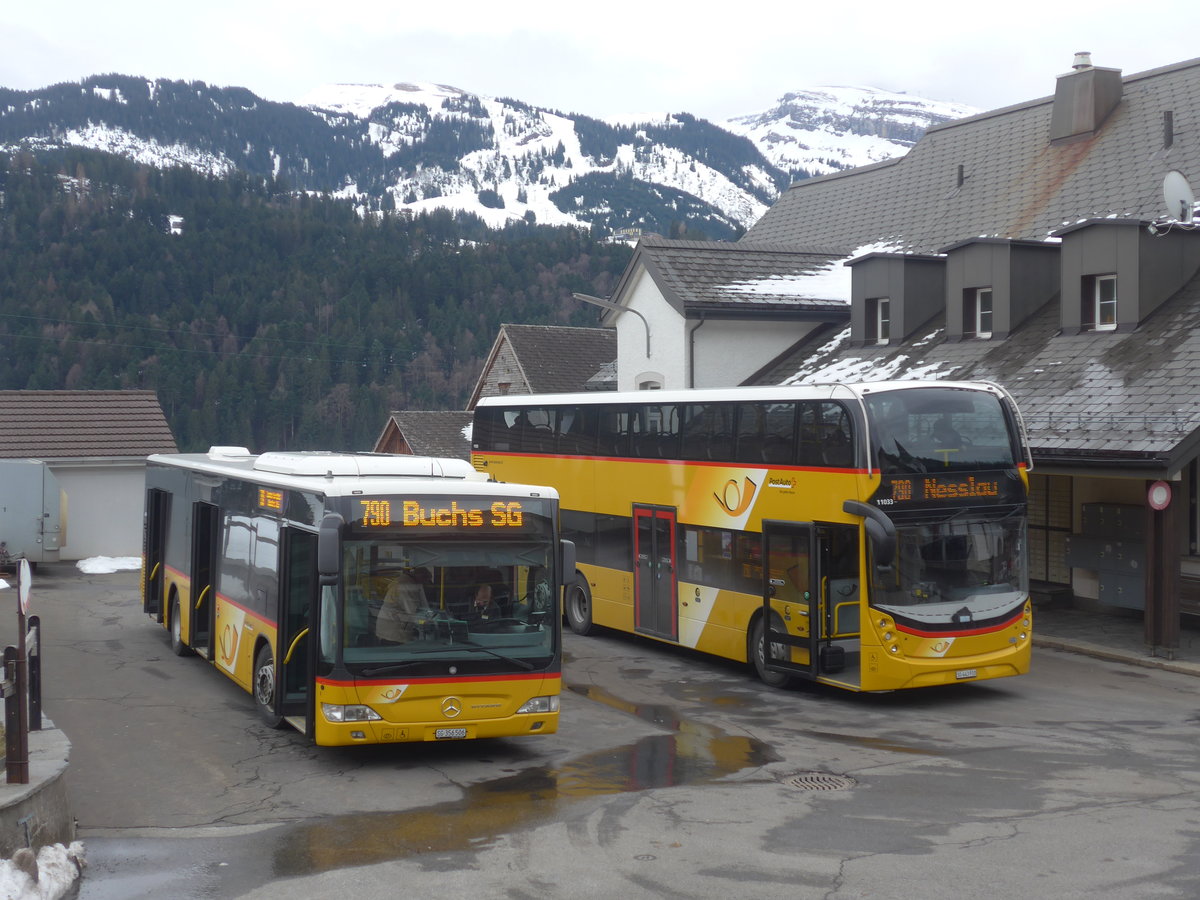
{"points": [[820, 781]]}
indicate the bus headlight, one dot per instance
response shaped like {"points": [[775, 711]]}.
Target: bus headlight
{"points": [[350, 712], [540, 705]]}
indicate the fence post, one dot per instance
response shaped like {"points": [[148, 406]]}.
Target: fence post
{"points": [[16, 762], [33, 649]]}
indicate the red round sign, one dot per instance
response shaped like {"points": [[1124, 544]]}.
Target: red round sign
{"points": [[1159, 495]]}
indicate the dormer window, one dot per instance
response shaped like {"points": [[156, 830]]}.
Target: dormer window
{"points": [[1100, 303], [879, 321], [977, 312]]}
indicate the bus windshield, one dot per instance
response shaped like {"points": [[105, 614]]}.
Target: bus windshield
{"points": [[959, 571], [935, 429], [410, 605]]}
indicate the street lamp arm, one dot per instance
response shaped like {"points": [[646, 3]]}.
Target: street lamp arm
{"points": [[615, 307]]}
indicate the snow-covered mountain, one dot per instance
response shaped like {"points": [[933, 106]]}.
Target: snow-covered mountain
{"points": [[425, 146], [826, 129]]}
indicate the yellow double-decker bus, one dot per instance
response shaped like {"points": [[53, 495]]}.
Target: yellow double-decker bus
{"points": [[362, 598], [869, 536]]}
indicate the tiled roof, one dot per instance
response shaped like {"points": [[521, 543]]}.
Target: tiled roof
{"points": [[560, 359], [82, 424], [1115, 395], [712, 276], [1014, 182], [436, 432]]}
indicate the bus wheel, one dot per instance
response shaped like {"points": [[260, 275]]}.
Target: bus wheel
{"points": [[757, 654], [264, 686], [178, 647], [579, 605]]}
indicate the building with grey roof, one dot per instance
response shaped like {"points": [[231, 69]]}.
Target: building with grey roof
{"points": [[703, 314], [1048, 246], [546, 359], [95, 443]]}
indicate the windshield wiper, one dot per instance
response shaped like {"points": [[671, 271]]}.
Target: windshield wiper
{"points": [[457, 645], [391, 667], [471, 645]]}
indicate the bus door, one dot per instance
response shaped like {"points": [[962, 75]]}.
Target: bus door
{"points": [[158, 509], [295, 660], [840, 602], [789, 592], [205, 529], [654, 595]]}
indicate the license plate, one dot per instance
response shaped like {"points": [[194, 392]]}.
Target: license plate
{"points": [[966, 673], [450, 734]]}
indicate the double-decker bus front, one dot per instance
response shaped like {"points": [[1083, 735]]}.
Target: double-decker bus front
{"points": [[440, 621], [948, 596]]}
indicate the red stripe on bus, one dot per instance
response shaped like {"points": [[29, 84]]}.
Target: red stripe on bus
{"points": [[677, 462], [940, 634], [433, 679]]}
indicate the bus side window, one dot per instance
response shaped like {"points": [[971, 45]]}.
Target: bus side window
{"points": [[780, 422], [613, 431], [809, 449], [836, 440], [577, 430], [484, 432]]}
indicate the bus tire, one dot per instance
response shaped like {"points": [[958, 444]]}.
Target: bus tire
{"points": [[579, 605], [178, 647], [264, 686], [757, 653]]}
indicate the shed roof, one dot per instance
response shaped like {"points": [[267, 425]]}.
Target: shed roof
{"points": [[82, 424], [441, 432]]}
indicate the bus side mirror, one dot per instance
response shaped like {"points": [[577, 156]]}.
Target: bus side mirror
{"points": [[329, 552], [880, 529], [566, 554]]}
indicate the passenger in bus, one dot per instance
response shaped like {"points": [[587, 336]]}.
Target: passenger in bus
{"points": [[402, 606]]}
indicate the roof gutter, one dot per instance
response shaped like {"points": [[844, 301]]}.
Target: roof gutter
{"points": [[692, 350]]}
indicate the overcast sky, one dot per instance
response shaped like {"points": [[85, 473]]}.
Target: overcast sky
{"points": [[598, 58]]}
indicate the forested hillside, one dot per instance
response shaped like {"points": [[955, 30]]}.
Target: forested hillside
{"points": [[261, 317]]}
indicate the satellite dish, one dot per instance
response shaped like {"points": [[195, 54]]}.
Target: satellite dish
{"points": [[1180, 200]]}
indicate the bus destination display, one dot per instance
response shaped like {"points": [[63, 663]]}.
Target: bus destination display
{"points": [[940, 489], [430, 514]]}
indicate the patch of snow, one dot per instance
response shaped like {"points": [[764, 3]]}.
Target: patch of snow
{"points": [[106, 565], [58, 867]]}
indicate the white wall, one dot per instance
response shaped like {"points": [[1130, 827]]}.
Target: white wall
{"points": [[104, 507], [729, 352], [668, 349]]}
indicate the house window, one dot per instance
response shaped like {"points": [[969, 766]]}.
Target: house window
{"points": [[1100, 302], [503, 387], [977, 312], [649, 386], [879, 323]]}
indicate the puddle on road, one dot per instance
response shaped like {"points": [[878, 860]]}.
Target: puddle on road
{"points": [[692, 754]]}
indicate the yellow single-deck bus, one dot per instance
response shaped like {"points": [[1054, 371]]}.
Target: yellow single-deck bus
{"points": [[733, 520], [362, 598]]}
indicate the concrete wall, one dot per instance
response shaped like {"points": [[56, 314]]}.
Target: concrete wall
{"points": [[36, 814]]}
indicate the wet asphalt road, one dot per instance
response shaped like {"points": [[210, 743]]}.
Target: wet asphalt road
{"points": [[672, 775]]}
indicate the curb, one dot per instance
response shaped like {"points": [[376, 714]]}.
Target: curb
{"points": [[37, 814], [1129, 657]]}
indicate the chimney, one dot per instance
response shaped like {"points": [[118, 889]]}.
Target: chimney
{"points": [[1083, 99]]}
